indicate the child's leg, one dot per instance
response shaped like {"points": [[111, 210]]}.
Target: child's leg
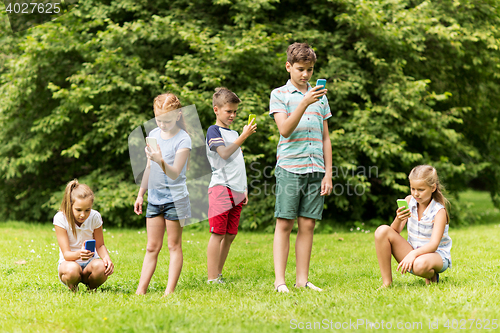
{"points": [[155, 230], [427, 265], [93, 275], [281, 247], [213, 255], [303, 248], [70, 274], [387, 242], [174, 235], [233, 221], [224, 250]]}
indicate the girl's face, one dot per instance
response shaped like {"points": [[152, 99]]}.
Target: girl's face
{"points": [[81, 209], [167, 121], [421, 191]]}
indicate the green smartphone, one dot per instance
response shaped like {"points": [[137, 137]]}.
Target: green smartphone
{"points": [[402, 203], [250, 117]]}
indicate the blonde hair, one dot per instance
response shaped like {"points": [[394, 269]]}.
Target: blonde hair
{"points": [[73, 191], [223, 96], [429, 174], [168, 102]]}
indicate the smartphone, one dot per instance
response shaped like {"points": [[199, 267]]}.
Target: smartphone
{"points": [[321, 82], [250, 117], [90, 245], [402, 203], [152, 143]]}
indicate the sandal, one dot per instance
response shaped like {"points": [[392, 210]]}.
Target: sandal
{"points": [[282, 288], [309, 285]]}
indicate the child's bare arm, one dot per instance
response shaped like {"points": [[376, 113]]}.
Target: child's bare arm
{"points": [[172, 171], [142, 190], [286, 125], [63, 241], [401, 218], [103, 251], [226, 152], [326, 183]]}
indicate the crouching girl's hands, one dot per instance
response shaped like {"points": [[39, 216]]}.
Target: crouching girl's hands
{"points": [[109, 267], [85, 254], [406, 265]]}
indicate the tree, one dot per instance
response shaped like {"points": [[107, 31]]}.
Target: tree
{"points": [[405, 87]]}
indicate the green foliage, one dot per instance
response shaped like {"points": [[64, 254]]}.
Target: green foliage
{"points": [[409, 82]]}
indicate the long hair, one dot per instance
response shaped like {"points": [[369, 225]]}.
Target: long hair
{"points": [[429, 174], [167, 102], [74, 190]]}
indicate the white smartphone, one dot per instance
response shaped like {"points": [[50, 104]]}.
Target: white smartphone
{"points": [[152, 143]]}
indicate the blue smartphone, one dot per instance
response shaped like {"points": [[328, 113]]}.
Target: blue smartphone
{"points": [[90, 245], [321, 82]]}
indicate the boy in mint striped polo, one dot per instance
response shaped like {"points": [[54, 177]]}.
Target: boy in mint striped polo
{"points": [[304, 163]]}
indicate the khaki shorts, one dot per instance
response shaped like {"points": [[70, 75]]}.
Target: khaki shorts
{"points": [[298, 195]]}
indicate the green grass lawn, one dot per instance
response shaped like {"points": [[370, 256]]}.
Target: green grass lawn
{"points": [[343, 263]]}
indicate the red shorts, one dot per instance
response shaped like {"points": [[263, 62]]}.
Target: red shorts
{"points": [[224, 209]]}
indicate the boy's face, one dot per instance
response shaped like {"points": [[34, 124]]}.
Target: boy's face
{"points": [[300, 73], [226, 114]]}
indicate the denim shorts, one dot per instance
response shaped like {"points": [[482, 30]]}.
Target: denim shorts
{"points": [[446, 264], [173, 211]]}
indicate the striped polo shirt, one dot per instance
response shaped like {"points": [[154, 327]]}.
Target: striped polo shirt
{"points": [[302, 151], [420, 232]]}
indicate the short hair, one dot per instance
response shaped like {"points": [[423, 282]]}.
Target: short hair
{"points": [[300, 52], [223, 96], [165, 103]]}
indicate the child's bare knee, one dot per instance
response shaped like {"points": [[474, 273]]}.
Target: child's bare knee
{"points": [[229, 237], [174, 246], [98, 267], [72, 273], [420, 267], [284, 225], [382, 231], [153, 248]]}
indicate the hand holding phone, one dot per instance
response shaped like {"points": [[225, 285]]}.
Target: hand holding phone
{"points": [[90, 245], [321, 82], [402, 203], [250, 117], [403, 212], [152, 143]]}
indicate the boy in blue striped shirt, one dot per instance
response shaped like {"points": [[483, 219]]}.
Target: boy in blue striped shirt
{"points": [[304, 163]]}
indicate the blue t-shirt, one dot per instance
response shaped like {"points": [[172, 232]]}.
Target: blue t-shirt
{"points": [[231, 172], [161, 188]]}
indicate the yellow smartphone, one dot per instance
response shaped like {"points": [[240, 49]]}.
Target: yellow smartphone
{"points": [[250, 117]]}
